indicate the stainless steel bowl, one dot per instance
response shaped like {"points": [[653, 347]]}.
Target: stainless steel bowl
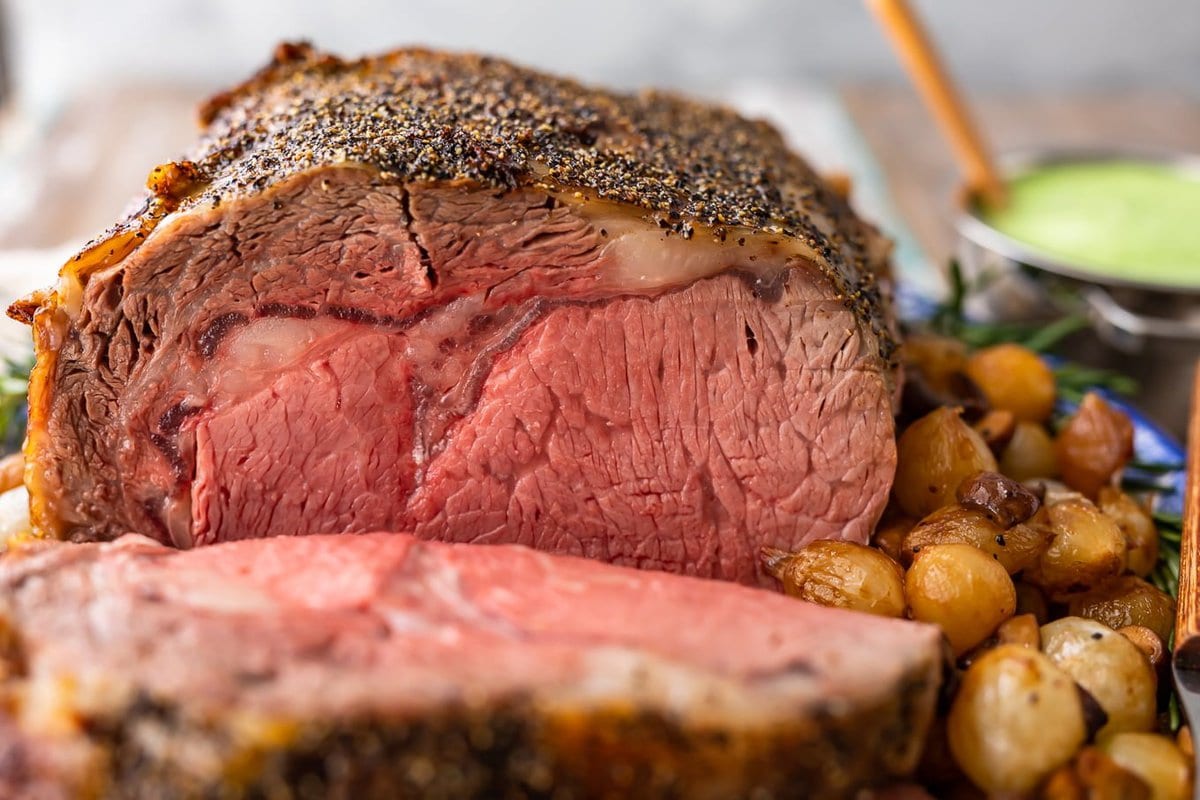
{"points": [[1148, 330]]}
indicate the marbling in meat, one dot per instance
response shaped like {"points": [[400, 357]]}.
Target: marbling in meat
{"points": [[448, 295]]}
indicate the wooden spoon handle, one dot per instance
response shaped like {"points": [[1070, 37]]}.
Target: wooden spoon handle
{"points": [[925, 68], [1187, 615]]}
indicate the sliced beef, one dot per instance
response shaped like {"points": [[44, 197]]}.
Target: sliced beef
{"points": [[445, 294], [380, 666]]}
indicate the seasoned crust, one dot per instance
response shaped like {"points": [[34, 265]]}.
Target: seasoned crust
{"points": [[420, 115], [516, 750], [425, 115]]}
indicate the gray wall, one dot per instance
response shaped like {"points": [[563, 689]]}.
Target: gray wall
{"points": [[63, 45]]}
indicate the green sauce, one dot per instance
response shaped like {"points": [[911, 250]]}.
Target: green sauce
{"points": [[1123, 219]]}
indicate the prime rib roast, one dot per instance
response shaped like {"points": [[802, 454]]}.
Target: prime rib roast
{"points": [[380, 666], [447, 295], [448, 298]]}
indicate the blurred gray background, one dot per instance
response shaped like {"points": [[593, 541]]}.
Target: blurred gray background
{"points": [[63, 46]]}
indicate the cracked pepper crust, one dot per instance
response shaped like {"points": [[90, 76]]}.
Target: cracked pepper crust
{"points": [[416, 115]]}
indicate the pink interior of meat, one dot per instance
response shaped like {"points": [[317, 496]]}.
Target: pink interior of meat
{"points": [[350, 355], [672, 432]]}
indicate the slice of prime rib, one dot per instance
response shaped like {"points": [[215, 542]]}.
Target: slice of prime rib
{"points": [[382, 666], [445, 294]]}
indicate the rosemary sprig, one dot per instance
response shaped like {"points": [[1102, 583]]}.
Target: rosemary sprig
{"points": [[949, 319], [1137, 483], [1076, 380], [1166, 572], [14, 387], [1169, 522], [1045, 338], [1155, 467]]}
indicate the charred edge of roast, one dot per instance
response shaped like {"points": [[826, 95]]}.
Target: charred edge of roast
{"points": [[515, 751]]}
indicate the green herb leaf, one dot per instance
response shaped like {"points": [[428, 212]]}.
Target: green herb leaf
{"points": [[1133, 483], [1168, 520], [949, 319], [1155, 467], [1045, 338], [1166, 572], [1174, 715], [14, 388], [1076, 380]]}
